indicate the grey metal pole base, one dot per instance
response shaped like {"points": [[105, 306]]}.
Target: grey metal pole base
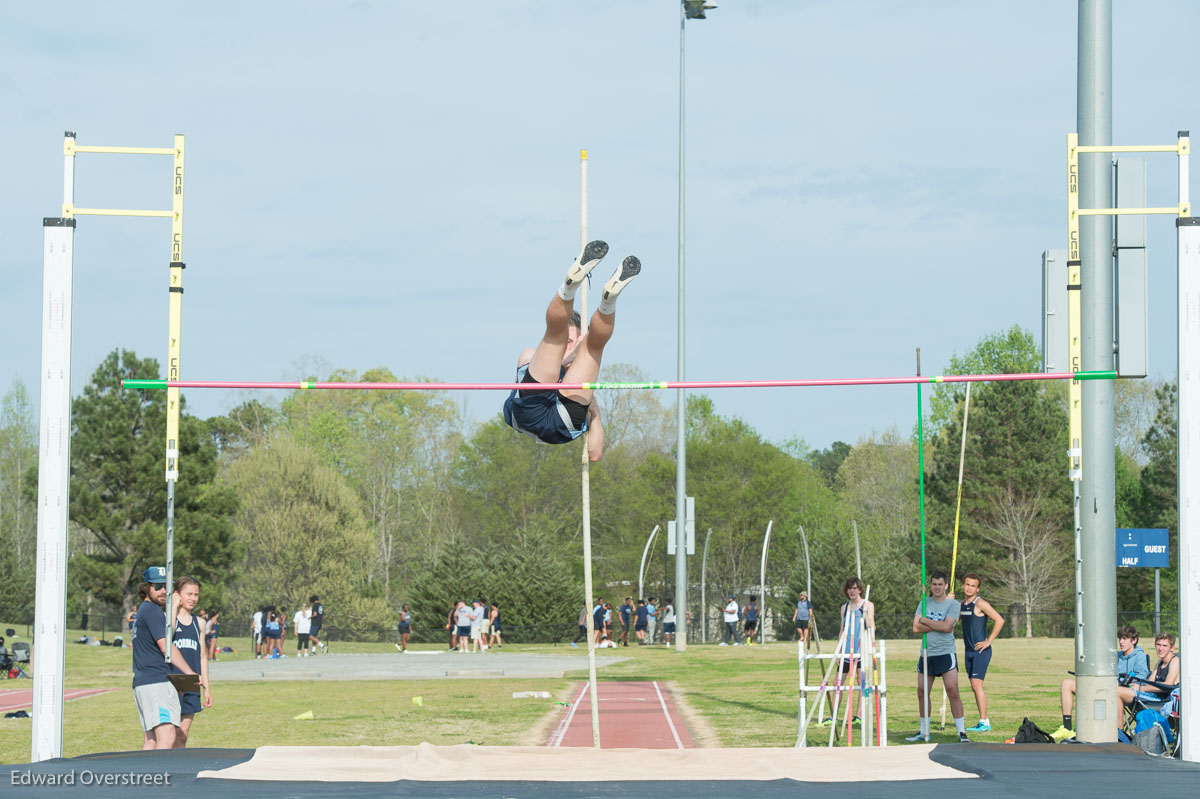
{"points": [[1097, 723]]}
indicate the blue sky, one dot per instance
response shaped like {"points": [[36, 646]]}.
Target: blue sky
{"points": [[396, 183]]}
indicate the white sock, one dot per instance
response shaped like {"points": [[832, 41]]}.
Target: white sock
{"points": [[960, 724], [568, 292], [985, 721], [925, 726], [607, 306]]}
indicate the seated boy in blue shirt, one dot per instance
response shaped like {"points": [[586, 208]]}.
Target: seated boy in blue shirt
{"points": [[1132, 661]]}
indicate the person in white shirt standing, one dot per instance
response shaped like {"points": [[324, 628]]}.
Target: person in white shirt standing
{"points": [[668, 622], [303, 623], [478, 614], [256, 632], [730, 612]]}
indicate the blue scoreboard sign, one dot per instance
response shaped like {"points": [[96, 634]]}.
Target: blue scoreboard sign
{"points": [[1147, 548]]}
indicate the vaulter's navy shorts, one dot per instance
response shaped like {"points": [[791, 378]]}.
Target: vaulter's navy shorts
{"points": [[544, 415], [938, 664]]}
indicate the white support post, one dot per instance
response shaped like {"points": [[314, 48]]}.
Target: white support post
{"points": [[1188, 233], [645, 552], [1188, 229], [802, 710], [762, 581], [54, 481], [882, 688], [593, 697]]}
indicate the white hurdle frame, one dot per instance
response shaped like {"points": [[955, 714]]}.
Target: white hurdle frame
{"points": [[878, 658]]}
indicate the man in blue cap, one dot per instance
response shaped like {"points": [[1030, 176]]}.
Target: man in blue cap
{"points": [[156, 698]]}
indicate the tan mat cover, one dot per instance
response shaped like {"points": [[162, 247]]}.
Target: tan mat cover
{"points": [[549, 764]]}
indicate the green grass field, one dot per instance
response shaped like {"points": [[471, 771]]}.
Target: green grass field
{"points": [[734, 697]]}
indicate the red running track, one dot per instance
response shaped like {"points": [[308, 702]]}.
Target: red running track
{"points": [[16, 699], [633, 715]]}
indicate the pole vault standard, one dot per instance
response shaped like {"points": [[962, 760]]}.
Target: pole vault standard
{"points": [[1090, 473], [54, 460], [150, 385]]}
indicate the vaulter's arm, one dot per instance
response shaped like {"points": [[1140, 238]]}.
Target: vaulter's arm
{"points": [[595, 435]]}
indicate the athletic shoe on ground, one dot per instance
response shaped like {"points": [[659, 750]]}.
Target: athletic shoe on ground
{"points": [[593, 252], [1062, 734], [325, 648], [722, 644], [917, 737], [574, 644], [980, 727], [825, 723], [626, 272], [398, 649], [963, 739]]}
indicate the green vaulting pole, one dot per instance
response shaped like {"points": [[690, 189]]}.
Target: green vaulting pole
{"points": [[924, 593]]}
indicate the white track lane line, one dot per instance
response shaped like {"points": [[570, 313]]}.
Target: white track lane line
{"points": [[565, 724], [667, 713]]}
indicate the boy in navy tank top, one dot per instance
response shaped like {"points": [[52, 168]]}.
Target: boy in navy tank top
{"points": [[977, 643], [563, 355]]}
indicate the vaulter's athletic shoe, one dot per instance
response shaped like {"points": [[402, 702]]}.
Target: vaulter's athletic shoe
{"points": [[593, 252], [963, 739], [917, 737], [628, 270], [980, 727]]}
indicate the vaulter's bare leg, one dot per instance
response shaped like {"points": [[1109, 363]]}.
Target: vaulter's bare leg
{"points": [[547, 358], [585, 368]]}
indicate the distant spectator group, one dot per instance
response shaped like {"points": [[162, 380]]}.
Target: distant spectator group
{"points": [[640, 619], [473, 627], [269, 625]]}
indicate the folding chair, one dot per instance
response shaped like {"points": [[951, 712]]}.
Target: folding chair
{"points": [[1166, 705]]}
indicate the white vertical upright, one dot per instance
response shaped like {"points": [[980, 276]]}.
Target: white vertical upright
{"points": [[1188, 231], [54, 476], [762, 581], [703, 597], [54, 472], [587, 491], [642, 568]]}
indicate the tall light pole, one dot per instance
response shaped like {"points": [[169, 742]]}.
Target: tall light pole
{"points": [[688, 9], [1098, 711]]}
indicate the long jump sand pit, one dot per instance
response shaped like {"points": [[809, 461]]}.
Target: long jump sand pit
{"points": [[548, 764], [419, 665]]}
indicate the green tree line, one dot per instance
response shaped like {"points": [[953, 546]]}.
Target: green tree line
{"points": [[373, 498]]}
